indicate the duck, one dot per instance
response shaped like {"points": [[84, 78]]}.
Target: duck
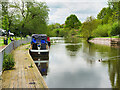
{"points": [[100, 60]]}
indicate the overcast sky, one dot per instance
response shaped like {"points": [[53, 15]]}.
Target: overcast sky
{"points": [[61, 9]]}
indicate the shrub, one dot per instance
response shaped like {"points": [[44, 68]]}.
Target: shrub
{"points": [[8, 62], [62, 32], [115, 29], [102, 30]]}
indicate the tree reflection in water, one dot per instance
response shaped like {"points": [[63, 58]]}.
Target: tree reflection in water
{"points": [[73, 45], [102, 51], [114, 72], [85, 56], [72, 49], [112, 63]]}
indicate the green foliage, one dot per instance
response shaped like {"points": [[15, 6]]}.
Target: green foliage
{"points": [[115, 29], [4, 5], [107, 22], [61, 32], [102, 30], [104, 15], [8, 62], [27, 17], [72, 22], [111, 13], [37, 18], [56, 30], [88, 26], [5, 23], [113, 18]]}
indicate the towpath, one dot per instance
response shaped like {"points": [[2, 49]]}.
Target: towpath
{"points": [[1, 47], [23, 76]]}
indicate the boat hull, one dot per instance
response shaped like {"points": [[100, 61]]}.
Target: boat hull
{"points": [[38, 55]]}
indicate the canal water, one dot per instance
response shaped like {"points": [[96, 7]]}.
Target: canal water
{"points": [[74, 63]]}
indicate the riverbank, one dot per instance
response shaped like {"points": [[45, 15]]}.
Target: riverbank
{"points": [[106, 41], [23, 75]]}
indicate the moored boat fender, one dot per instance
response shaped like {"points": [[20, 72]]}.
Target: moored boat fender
{"points": [[48, 40]]}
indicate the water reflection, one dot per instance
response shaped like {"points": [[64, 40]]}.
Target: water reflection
{"points": [[114, 72], [42, 66], [72, 49], [111, 58], [74, 64], [73, 45], [72, 40], [42, 62]]}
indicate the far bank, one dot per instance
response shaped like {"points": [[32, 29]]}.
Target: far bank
{"points": [[106, 41]]}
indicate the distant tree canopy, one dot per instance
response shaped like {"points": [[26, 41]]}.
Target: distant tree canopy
{"points": [[88, 26], [105, 14], [110, 16], [72, 22], [111, 13]]}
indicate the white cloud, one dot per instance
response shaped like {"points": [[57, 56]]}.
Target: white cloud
{"points": [[73, 0], [59, 11]]}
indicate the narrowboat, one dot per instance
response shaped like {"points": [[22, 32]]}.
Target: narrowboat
{"points": [[39, 49]]}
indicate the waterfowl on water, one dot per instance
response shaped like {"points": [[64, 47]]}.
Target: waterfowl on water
{"points": [[100, 60]]}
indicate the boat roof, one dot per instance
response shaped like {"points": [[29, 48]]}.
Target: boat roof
{"points": [[39, 35]]}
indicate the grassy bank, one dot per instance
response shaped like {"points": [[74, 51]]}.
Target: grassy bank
{"points": [[2, 40], [109, 37]]}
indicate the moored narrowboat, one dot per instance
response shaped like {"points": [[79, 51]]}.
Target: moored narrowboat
{"points": [[39, 47]]}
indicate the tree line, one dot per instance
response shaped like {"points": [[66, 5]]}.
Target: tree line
{"points": [[106, 24], [26, 18]]}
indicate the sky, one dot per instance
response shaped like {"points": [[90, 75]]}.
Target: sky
{"points": [[61, 9]]}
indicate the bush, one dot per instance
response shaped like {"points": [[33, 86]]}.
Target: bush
{"points": [[102, 30], [115, 29], [62, 32], [8, 62]]}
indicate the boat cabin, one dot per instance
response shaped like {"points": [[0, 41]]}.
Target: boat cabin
{"points": [[39, 46]]}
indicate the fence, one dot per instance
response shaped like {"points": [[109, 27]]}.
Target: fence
{"points": [[13, 45]]}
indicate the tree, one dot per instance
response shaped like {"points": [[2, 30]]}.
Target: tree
{"points": [[29, 17], [72, 22], [104, 15], [88, 26], [4, 14], [57, 25], [102, 30], [5, 23], [4, 8], [115, 29]]}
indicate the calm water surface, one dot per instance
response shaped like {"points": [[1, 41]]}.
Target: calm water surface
{"points": [[73, 63]]}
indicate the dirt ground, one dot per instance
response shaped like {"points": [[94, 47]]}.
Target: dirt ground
{"points": [[23, 75]]}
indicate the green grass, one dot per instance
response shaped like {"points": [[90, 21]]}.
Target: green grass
{"points": [[2, 40], [109, 37]]}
